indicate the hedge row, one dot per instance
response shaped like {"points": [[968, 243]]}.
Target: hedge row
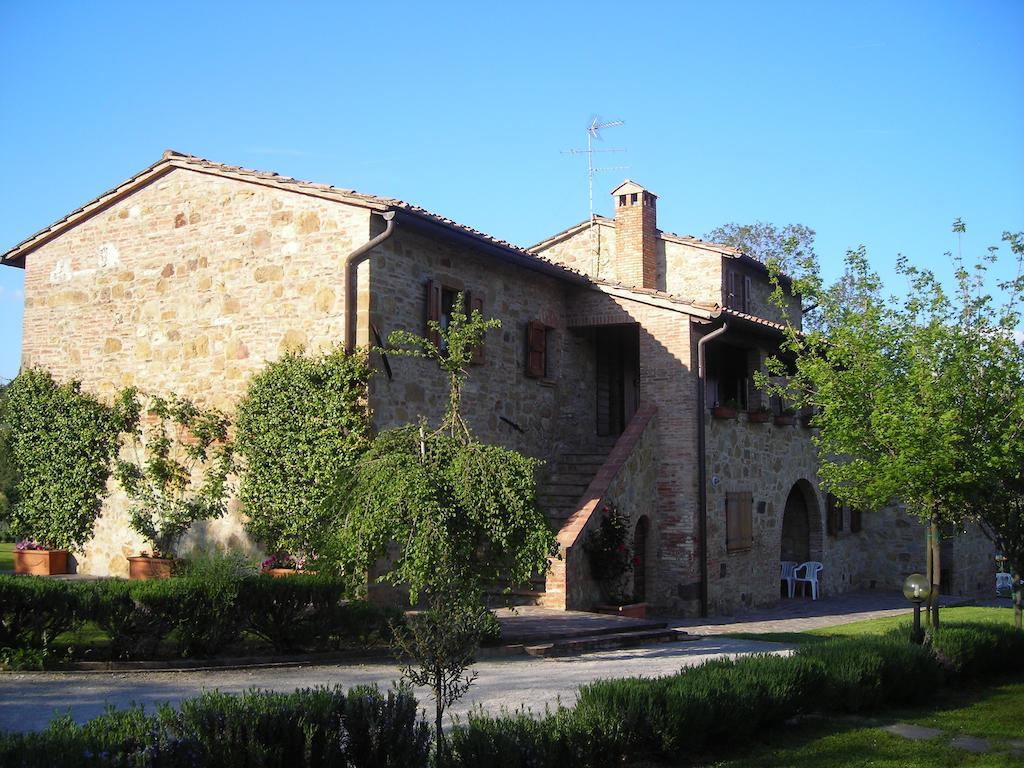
{"points": [[197, 615], [726, 702], [720, 703], [259, 729]]}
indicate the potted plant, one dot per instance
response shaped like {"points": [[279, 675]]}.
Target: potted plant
{"points": [[727, 410], [37, 559], [610, 558], [785, 419], [759, 415], [282, 564], [179, 475]]}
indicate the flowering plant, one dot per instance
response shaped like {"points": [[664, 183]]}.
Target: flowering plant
{"points": [[295, 562], [27, 545], [608, 550]]}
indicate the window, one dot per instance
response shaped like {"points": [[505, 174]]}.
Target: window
{"points": [[729, 375], [536, 350], [739, 532], [856, 522], [440, 303], [833, 515], [738, 289]]}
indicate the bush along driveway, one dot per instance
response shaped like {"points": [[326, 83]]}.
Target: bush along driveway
{"points": [[682, 717]]}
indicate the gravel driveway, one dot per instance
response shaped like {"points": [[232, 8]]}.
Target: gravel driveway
{"points": [[29, 700]]}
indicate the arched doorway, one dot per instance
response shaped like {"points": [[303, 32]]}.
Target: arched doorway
{"points": [[802, 533], [640, 560], [796, 529]]}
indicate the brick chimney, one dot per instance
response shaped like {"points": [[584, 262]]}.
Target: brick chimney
{"points": [[636, 235]]}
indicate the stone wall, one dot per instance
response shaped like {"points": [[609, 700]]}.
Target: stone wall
{"points": [[188, 285], [666, 381], [690, 272], [501, 404], [767, 461]]}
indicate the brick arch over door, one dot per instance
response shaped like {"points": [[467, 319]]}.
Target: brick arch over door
{"points": [[801, 531]]}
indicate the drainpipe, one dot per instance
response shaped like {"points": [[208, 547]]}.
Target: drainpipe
{"points": [[702, 469], [349, 272]]}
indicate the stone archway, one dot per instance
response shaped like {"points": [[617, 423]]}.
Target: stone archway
{"points": [[640, 560], [801, 525]]}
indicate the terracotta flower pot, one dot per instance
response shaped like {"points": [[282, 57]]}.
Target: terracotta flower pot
{"points": [[783, 421], [630, 611], [143, 568], [723, 412], [280, 573], [41, 562], [758, 417]]}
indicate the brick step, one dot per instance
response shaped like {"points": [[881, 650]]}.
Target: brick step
{"points": [[606, 642], [582, 458]]}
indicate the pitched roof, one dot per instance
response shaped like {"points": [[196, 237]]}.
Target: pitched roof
{"points": [[172, 159], [604, 221]]}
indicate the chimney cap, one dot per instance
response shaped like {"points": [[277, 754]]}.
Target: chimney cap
{"points": [[628, 187]]}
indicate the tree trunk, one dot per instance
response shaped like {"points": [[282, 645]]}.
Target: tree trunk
{"points": [[1018, 599], [439, 724], [934, 569]]}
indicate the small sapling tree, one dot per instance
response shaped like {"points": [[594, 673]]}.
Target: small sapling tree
{"points": [[179, 472], [455, 513]]}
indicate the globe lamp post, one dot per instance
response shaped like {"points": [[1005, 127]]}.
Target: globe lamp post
{"points": [[917, 589]]}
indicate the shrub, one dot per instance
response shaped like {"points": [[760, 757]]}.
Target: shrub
{"points": [[259, 729], [136, 615], [61, 442], [973, 651], [866, 672], [291, 612], [301, 421], [33, 611]]}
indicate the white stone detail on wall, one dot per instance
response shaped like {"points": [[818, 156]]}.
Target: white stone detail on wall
{"points": [[108, 256]]}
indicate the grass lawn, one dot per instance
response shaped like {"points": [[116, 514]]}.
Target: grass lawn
{"points": [[7, 556], [878, 626], [992, 713]]}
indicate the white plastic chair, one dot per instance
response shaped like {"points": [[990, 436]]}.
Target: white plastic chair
{"points": [[1004, 581], [810, 570], [788, 575]]}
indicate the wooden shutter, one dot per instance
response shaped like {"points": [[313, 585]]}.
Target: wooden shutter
{"points": [[433, 310], [475, 304], [739, 523], [856, 523], [833, 512], [730, 295], [747, 285], [536, 349]]}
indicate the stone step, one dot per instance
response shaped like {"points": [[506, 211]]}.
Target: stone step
{"points": [[498, 599], [605, 642], [562, 489], [582, 458], [566, 477]]}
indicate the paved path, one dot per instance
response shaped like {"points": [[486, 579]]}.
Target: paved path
{"points": [[801, 614], [29, 701]]}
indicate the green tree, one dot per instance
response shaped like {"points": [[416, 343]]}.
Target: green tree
{"points": [[789, 246], [451, 514], [919, 400], [179, 473], [1000, 514], [301, 422], [8, 476], [61, 442]]}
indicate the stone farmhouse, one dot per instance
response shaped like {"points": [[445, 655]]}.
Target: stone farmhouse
{"points": [[617, 340]]}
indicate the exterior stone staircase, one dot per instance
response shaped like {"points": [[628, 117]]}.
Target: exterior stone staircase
{"points": [[558, 494]]}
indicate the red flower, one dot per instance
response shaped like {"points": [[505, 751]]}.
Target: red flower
{"points": [[637, 560], [620, 548]]}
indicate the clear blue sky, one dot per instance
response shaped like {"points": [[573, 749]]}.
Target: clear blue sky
{"points": [[875, 123]]}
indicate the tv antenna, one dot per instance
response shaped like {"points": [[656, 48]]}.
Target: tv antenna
{"points": [[594, 129]]}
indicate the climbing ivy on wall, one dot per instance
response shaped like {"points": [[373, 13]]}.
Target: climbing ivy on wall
{"points": [[302, 420], [61, 442]]}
